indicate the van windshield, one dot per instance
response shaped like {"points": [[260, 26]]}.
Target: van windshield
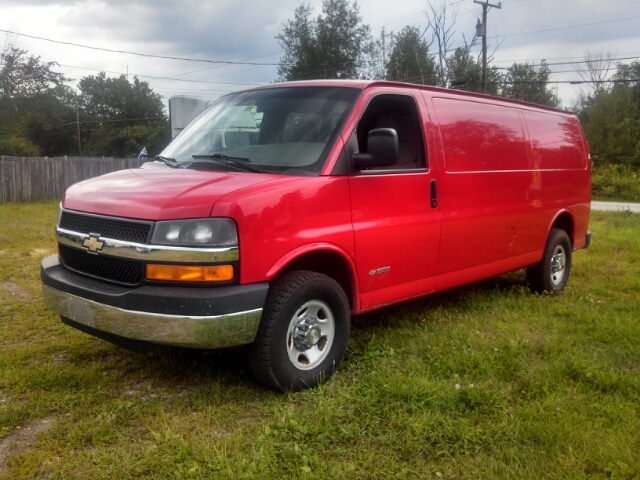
{"points": [[288, 130]]}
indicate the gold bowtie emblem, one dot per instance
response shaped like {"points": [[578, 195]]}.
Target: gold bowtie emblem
{"points": [[93, 243]]}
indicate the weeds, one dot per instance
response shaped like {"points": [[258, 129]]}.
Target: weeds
{"points": [[484, 381], [616, 182]]}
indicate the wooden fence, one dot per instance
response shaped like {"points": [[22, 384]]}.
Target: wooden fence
{"points": [[24, 179]]}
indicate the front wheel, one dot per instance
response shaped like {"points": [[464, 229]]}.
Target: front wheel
{"points": [[552, 272], [303, 333]]}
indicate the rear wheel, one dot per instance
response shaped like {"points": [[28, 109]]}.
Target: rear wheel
{"points": [[303, 333], [552, 272]]}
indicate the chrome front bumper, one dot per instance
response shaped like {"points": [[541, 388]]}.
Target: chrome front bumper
{"points": [[181, 316], [186, 331]]}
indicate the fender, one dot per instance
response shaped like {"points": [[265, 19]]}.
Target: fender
{"points": [[319, 247], [555, 218]]}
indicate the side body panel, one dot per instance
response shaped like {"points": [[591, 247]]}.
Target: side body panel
{"points": [[497, 203]]}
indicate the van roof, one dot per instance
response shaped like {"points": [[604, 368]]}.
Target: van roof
{"points": [[364, 84]]}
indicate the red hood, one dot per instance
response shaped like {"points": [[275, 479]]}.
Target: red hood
{"points": [[157, 194]]}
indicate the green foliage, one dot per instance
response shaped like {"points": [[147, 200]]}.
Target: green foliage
{"points": [[409, 60], [615, 182], [119, 117], [613, 128], [484, 381], [11, 145], [22, 75], [38, 112], [31, 105], [610, 116], [523, 81], [465, 73], [335, 45]]}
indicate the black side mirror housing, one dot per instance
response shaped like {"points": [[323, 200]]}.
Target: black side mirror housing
{"points": [[383, 148]]}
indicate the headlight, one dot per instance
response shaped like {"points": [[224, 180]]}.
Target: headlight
{"points": [[206, 232], [59, 214]]}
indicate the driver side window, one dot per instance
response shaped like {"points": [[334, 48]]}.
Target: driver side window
{"points": [[398, 112]]}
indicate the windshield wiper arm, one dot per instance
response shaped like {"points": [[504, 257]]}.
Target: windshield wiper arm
{"points": [[239, 162], [169, 161]]}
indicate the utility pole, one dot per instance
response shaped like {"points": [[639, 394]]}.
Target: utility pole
{"points": [[78, 125], [481, 30]]}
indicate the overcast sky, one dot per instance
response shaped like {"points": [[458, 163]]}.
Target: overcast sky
{"points": [[558, 31]]}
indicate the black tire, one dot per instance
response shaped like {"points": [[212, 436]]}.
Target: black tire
{"points": [[552, 272], [303, 333]]}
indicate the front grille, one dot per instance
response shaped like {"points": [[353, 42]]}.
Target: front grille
{"points": [[106, 227], [129, 272]]}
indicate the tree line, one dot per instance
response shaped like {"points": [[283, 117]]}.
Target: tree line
{"points": [[41, 116], [337, 44]]}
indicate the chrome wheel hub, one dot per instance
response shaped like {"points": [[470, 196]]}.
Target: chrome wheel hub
{"points": [[310, 335], [558, 265]]}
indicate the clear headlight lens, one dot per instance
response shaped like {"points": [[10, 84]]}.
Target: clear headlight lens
{"points": [[206, 232]]}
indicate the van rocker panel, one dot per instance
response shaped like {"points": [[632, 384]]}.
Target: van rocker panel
{"points": [[184, 316]]}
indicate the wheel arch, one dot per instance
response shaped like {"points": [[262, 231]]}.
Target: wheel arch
{"points": [[326, 259], [564, 221]]}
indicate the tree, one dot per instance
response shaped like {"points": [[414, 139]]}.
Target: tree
{"points": [[613, 130], [21, 75], [119, 117], [611, 118], [598, 65], [409, 60], [335, 45], [440, 32], [465, 73], [299, 43], [523, 81], [32, 106]]}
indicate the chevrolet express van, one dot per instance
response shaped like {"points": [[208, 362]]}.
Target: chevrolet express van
{"points": [[283, 210]]}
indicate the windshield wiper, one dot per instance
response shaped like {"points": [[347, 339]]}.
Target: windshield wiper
{"points": [[239, 162], [169, 161]]}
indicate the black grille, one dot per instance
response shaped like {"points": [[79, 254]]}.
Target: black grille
{"points": [[105, 227], [129, 272]]}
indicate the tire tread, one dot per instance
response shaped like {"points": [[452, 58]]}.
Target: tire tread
{"points": [[260, 354]]}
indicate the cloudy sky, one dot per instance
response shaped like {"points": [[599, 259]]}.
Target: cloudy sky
{"points": [[559, 31]]}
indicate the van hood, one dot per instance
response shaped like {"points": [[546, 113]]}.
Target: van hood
{"points": [[157, 194]]}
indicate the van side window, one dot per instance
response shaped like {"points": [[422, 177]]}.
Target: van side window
{"points": [[400, 113]]}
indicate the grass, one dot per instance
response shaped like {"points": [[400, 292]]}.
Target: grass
{"points": [[484, 381]]}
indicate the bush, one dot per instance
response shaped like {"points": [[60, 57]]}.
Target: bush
{"points": [[18, 147], [616, 182]]}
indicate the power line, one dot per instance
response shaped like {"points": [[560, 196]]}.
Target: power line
{"points": [[566, 27], [166, 57], [162, 78]]}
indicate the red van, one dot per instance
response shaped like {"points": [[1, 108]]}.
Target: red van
{"points": [[283, 210]]}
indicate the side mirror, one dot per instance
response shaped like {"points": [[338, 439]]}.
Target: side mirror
{"points": [[383, 147]]}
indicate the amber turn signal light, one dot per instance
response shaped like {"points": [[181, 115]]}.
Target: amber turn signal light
{"points": [[183, 273]]}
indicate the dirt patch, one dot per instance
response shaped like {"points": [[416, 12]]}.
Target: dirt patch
{"points": [[13, 290], [22, 439], [40, 252]]}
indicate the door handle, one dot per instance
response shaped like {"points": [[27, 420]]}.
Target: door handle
{"points": [[434, 194]]}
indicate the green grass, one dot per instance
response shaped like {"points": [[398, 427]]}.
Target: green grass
{"points": [[485, 381]]}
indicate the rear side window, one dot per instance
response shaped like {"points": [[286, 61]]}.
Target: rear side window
{"points": [[480, 137], [556, 141]]}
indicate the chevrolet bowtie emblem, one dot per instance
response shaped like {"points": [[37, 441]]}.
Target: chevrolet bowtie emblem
{"points": [[93, 244]]}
